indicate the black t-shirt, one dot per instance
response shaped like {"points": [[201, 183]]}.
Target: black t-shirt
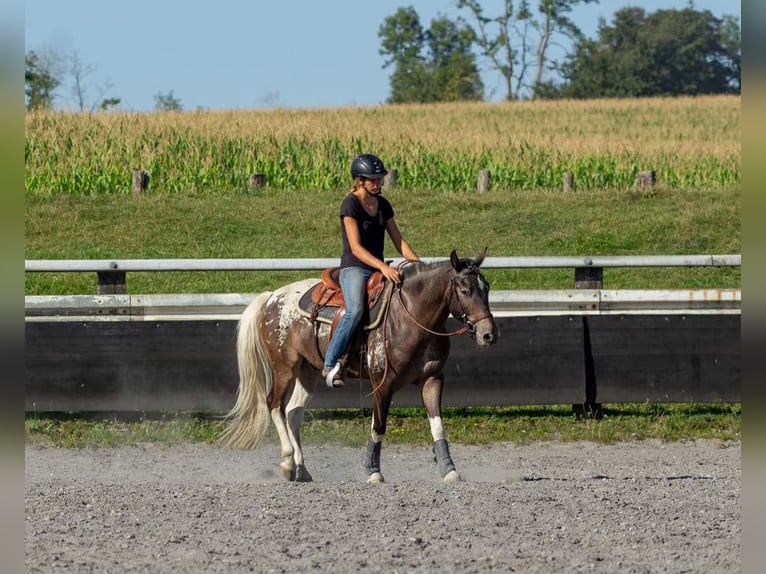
{"points": [[372, 228]]}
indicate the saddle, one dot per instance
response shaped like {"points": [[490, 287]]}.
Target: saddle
{"points": [[324, 302]]}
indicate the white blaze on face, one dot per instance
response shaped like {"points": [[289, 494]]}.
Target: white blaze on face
{"points": [[483, 286], [287, 298]]}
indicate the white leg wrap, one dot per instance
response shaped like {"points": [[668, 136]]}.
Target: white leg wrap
{"points": [[437, 428]]}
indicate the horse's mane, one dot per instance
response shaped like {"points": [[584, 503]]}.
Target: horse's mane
{"points": [[418, 267]]}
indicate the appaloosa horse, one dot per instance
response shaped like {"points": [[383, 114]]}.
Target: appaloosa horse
{"points": [[280, 353]]}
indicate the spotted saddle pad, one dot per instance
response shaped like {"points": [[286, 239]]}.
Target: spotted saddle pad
{"points": [[324, 301]]}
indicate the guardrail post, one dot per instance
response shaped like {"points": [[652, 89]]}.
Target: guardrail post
{"points": [[112, 283], [588, 278]]}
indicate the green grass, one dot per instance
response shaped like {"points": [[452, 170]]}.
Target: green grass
{"points": [[475, 425], [271, 223]]}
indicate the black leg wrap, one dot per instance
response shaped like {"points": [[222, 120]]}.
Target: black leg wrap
{"points": [[372, 461], [443, 459]]}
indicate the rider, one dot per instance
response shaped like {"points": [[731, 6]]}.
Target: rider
{"points": [[365, 214]]}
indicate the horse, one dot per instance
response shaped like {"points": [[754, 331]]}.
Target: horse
{"points": [[280, 354]]}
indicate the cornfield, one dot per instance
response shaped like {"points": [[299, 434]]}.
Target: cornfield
{"points": [[690, 143]]}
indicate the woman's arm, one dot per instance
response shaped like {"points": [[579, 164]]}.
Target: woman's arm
{"points": [[401, 245]]}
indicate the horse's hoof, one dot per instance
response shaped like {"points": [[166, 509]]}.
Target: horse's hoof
{"points": [[287, 471], [375, 478], [303, 475], [452, 476]]}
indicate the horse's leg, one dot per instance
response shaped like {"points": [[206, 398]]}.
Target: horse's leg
{"points": [[432, 400], [283, 379], [295, 412], [375, 442]]}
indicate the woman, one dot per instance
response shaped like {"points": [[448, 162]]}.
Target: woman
{"points": [[365, 216]]}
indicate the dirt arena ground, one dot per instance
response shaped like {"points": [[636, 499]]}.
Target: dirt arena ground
{"points": [[543, 507]]}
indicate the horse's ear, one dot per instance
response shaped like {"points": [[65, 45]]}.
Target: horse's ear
{"points": [[480, 259], [455, 260]]}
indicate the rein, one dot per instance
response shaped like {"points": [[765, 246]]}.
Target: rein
{"points": [[468, 326], [460, 331]]}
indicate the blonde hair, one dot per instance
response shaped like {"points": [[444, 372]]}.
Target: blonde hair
{"points": [[357, 184]]}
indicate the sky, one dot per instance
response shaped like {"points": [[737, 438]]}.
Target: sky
{"points": [[250, 54]]}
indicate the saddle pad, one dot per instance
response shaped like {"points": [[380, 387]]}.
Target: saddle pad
{"points": [[326, 314]]}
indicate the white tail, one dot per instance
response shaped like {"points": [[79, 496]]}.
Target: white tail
{"points": [[249, 418]]}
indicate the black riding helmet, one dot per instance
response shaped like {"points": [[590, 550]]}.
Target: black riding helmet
{"points": [[369, 166]]}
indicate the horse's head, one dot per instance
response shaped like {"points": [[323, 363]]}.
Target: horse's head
{"points": [[470, 299]]}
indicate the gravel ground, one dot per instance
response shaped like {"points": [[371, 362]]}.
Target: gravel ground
{"points": [[544, 507]]}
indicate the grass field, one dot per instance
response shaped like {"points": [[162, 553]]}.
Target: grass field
{"points": [[275, 223], [409, 425]]}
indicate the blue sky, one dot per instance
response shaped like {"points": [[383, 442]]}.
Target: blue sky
{"points": [[239, 54]]}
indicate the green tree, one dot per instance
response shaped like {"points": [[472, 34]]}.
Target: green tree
{"points": [[455, 73], [429, 65], [667, 52], [167, 102], [516, 42], [41, 78]]}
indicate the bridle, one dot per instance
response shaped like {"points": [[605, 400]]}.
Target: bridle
{"points": [[467, 327]]}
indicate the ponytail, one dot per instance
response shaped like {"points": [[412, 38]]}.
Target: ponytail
{"points": [[357, 185]]}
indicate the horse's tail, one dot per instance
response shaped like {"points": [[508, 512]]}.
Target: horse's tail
{"points": [[249, 418]]}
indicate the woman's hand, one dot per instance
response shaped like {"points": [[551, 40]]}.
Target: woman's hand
{"points": [[391, 274]]}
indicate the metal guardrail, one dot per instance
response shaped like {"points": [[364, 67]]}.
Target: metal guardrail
{"points": [[588, 272], [125, 265], [119, 351], [503, 303], [588, 297]]}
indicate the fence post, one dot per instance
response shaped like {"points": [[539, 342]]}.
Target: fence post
{"points": [[389, 180], [140, 181], [483, 182], [588, 278], [646, 178], [568, 183], [257, 180]]}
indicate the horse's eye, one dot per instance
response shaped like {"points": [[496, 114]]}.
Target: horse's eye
{"points": [[465, 291]]}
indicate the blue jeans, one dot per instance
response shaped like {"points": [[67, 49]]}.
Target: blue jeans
{"points": [[353, 283]]}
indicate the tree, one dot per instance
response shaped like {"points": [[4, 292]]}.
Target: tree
{"points": [[48, 70], [167, 102], [667, 52], [509, 43], [429, 65], [41, 78], [455, 73], [79, 71]]}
